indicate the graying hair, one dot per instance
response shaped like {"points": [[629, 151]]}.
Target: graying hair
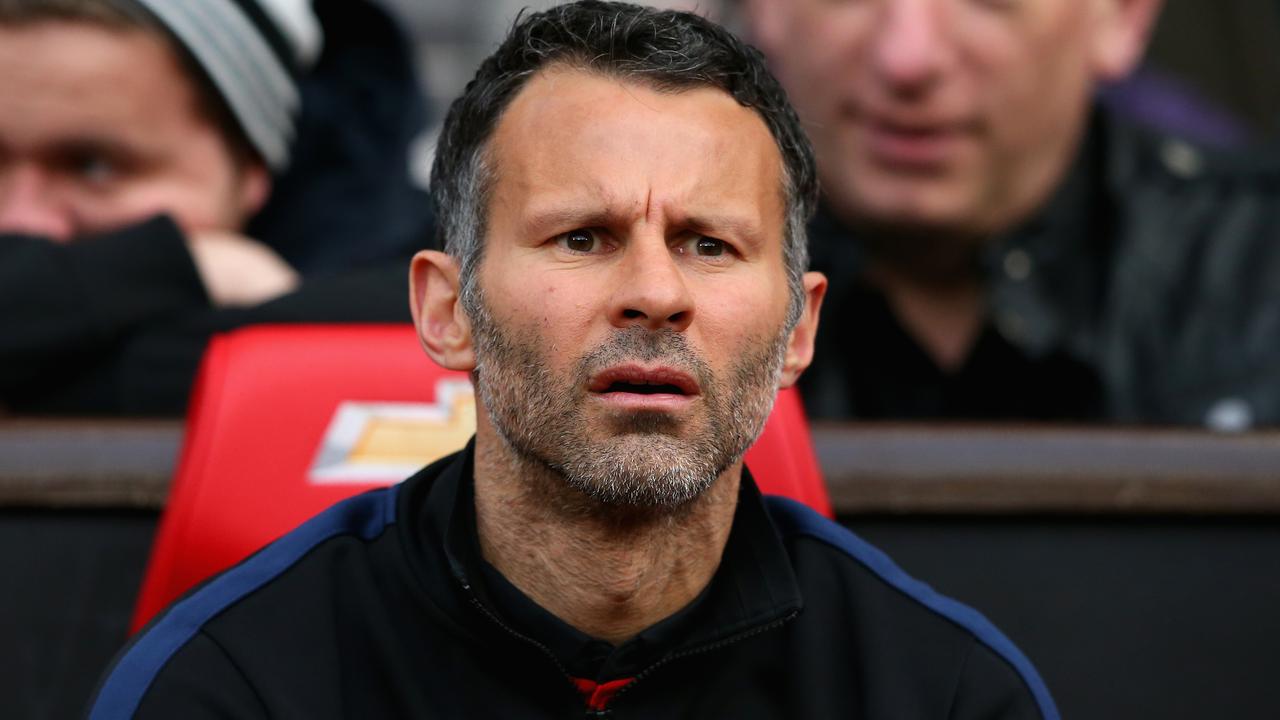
{"points": [[667, 50]]}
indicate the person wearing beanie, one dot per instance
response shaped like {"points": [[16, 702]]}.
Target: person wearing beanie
{"points": [[171, 168]]}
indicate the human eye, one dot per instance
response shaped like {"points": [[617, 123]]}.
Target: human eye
{"points": [[96, 169], [91, 167], [709, 247], [583, 241], [704, 246]]}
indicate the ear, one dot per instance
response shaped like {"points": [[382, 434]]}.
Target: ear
{"points": [[255, 188], [443, 328], [1120, 34], [800, 344]]}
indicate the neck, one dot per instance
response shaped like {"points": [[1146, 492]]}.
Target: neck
{"points": [[608, 571], [923, 255], [931, 282]]}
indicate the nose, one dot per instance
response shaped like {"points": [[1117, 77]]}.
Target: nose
{"points": [[28, 205], [909, 50], [651, 290]]}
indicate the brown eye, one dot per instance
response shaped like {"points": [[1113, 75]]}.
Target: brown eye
{"points": [[710, 246], [91, 168], [582, 241]]}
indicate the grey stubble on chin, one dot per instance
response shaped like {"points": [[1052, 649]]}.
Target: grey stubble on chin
{"points": [[636, 459]]}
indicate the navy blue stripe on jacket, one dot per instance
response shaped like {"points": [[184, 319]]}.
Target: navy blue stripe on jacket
{"points": [[366, 516], [795, 518]]}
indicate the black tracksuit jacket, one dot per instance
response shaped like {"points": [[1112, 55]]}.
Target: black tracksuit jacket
{"points": [[382, 607]]}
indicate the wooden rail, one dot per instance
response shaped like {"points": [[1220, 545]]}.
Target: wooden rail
{"points": [[87, 463], [890, 468], [870, 468]]}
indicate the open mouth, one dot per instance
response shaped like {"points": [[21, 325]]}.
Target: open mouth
{"points": [[638, 380], [644, 388]]}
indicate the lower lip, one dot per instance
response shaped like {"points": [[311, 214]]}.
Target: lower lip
{"points": [[929, 150], [664, 402]]}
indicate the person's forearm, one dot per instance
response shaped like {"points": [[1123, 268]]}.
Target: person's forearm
{"points": [[60, 301]]}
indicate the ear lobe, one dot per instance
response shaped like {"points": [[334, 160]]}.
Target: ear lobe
{"points": [[1121, 31], [800, 344], [443, 327], [255, 188]]}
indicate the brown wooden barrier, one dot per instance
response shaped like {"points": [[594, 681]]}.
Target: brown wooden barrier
{"points": [[870, 468], [986, 469], [87, 463]]}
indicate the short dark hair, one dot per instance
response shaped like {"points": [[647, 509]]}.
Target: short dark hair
{"points": [[120, 16], [126, 15], [668, 50]]}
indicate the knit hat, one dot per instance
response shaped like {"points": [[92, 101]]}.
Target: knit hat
{"points": [[253, 51]]}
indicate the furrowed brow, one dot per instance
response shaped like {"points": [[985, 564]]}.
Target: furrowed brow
{"points": [[728, 227], [567, 217]]}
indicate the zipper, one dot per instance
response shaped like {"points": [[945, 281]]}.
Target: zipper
{"points": [[608, 712], [519, 636], [709, 647]]}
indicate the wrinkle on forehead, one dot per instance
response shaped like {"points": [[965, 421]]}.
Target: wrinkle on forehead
{"points": [[581, 143]]}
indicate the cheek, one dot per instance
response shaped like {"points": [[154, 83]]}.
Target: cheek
{"points": [[203, 187], [549, 306], [131, 201], [197, 199], [825, 51], [735, 318], [551, 310], [1030, 73]]}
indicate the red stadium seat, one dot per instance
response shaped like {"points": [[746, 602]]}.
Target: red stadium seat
{"points": [[287, 420]]}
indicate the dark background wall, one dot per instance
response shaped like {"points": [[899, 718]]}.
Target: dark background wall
{"points": [[1167, 618], [1227, 50]]}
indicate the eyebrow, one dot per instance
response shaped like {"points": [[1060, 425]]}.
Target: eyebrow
{"points": [[572, 216], [116, 149], [738, 227], [569, 217]]}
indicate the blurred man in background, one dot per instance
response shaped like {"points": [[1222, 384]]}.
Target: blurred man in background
{"points": [[164, 162], [998, 245]]}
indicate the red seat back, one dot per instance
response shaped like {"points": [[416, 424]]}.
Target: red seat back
{"points": [[287, 420]]}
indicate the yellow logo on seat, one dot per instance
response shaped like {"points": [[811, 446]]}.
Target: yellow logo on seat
{"points": [[380, 443]]}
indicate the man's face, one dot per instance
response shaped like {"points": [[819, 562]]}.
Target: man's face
{"points": [[631, 329], [949, 115], [100, 128]]}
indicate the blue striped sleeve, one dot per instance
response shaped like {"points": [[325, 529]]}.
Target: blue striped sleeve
{"points": [[797, 518], [364, 516]]}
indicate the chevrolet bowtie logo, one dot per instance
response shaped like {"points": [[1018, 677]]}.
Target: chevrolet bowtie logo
{"points": [[380, 443]]}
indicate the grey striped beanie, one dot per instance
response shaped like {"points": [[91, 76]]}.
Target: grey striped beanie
{"points": [[253, 51]]}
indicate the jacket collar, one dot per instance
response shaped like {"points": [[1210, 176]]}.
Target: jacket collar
{"points": [[753, 588], [1055, 304]]}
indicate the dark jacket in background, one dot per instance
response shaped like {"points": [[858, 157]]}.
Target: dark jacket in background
{"points": [[348, 198], [117, 324], [1146, 291]]}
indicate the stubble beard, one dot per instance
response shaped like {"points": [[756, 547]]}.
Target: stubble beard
{"points": [[633, 459]]}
